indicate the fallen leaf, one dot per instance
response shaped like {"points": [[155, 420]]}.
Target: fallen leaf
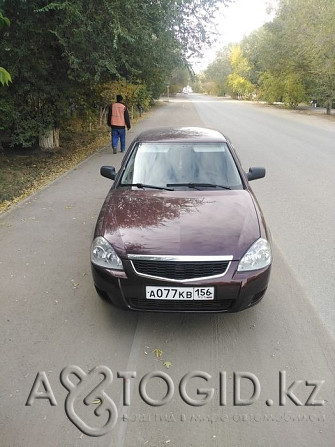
{"points": [[74, 284], [167, 364], [97, 402], [158, 352]]}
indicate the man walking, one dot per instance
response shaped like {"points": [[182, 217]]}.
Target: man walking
{"points": [[118, 120]]}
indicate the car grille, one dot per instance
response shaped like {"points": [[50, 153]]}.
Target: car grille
{"points": [[180, 270], [189, 306]]}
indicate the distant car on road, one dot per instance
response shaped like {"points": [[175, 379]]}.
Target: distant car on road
{"points": [[187, 90], [180, 229]]}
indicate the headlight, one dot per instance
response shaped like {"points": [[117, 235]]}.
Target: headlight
{"points": [[257, 257], [104, 255]]}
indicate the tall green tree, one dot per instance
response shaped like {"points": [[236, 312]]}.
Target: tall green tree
{"points": [[230, 73], [312, 41], [5, 77], [299, 46], [217, 72], [58, 49], [292, 58]]}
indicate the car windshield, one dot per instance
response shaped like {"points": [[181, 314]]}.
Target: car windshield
{"points": [[161, 164]]}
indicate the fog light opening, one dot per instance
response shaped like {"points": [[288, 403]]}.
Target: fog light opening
{"points": [[257, 297]]}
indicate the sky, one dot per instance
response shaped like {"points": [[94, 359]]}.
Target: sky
{"points": [[233, 23]]}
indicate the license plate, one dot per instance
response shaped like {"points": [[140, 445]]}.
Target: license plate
{"points": [[179, 293]]}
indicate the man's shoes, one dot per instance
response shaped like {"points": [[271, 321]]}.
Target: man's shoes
{"points": [[114, 150]]}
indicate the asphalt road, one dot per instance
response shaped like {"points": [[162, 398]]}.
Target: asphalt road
{"points": [[53, 323]]}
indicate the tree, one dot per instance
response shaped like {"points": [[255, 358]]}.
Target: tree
{"points": [[271, 87], [40, 96], [299, 45], [294, 90], [238, 81], [59, 49], [217, 73], [318, 46], [180, 77], [291, 58], [5, 77], [239, 86]]}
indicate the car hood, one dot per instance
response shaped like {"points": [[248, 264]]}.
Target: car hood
{"points": [[179, 223]]}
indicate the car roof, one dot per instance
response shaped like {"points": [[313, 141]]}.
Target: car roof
{"points": [[181, 135]]}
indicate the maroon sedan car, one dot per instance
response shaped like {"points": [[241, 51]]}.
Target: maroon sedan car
{"points": [[180, 229]]}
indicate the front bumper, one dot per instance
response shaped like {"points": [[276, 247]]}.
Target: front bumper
{"points": [[234, 291]]}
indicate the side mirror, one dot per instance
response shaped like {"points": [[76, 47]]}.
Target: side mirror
{"points": [[255, 173], [108, 172]]}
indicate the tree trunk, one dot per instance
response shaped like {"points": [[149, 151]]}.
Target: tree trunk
{"points": [[329, 106], [103, 115], [56, 138], [49, 140]]}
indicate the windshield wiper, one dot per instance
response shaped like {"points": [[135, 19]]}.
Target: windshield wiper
{"points": [[143, 185], [200, 185]]}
